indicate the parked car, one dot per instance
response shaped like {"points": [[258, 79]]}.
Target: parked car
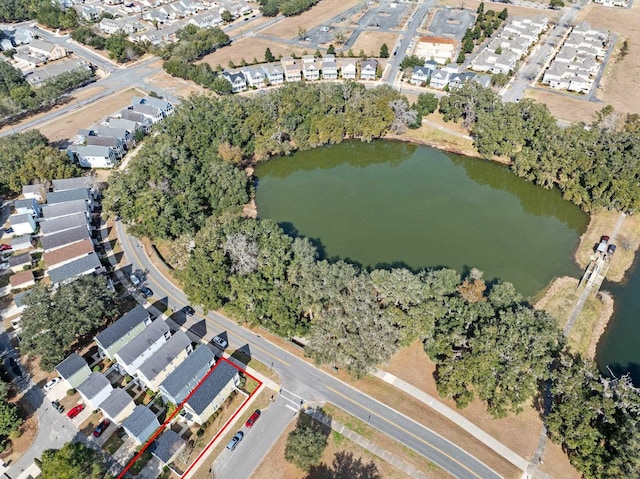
{"points": [[4, 266], [189, 311], [75, 410], [220, 342], [5, 247], [100, 428], [146, 292], [235, 440], [134, 279], [49, 386], [254, 417], [57, 406], [9, 230]]}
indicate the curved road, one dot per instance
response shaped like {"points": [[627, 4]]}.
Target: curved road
{"points": [[302, 380]]}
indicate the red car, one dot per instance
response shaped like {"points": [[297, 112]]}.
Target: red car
{"points": [[74, 411], [5, 247], [100, 428], [254, 417]]}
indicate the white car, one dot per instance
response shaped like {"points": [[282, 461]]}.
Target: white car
{"points": [[134, 279], [220, 342], [49, 386]]}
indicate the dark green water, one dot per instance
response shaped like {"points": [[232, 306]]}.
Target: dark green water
{"points": [[389, 203]]}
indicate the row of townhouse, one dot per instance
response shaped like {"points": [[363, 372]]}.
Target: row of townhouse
{"points": [[103, 146], [158, 360], [579, 60], [612, 3], [511, 44], [309, 68], [448, 76]]}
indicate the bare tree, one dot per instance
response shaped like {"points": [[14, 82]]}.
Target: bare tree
{"points": [[242, 252], [403, 116]]}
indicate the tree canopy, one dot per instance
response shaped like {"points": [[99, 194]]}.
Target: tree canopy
{"points": [[74, 461], [306, 443]]}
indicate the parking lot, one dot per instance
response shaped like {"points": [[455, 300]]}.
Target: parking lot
{"points": [[385, 16], [450, 22]]}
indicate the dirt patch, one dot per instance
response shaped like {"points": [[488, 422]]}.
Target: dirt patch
{"points": [[28, 432], [513, 10], [565, 107], [556, 463], [601, 325], [250, 48], [165, 83], [316, 16], [370, 42]]}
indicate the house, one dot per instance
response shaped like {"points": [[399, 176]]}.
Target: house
{"points": [[19, 300], [57, 210], [22, 36], [206, 20], [92, 156], [26, 59], [125, 135], [95, 390], [64, 223], [143, 123], [36, 191], [58, 240], [115, 25], [114, 144], [157, 367], [46, 50], [459, 79], [21, 242], [292, 72], [52, 70], [274, 74], [22, 224], [164, 106], [141, 424], [237, 80], [187, 375], [440, 78], [67, 254], [505, 63], [74, 370], [113, 338], [22, 280], [329, 67], [131, 356], [310, 70], [348, 69], [255, 76], [167, 445], [439, 49], [368, 69], [17, 262], [73, 183], [151, 113], [67, 272], [71, 195], [155, 16], [29, 206], [482, 80], [420, 75], [118, 406], [213, 391]]}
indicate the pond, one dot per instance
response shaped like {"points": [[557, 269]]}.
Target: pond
{"points": [[388, 203]]}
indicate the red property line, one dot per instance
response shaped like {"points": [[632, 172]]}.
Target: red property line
{"points": [[179, 408]]}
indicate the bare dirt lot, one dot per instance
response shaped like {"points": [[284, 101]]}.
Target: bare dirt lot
{"points": [[370, 42], [566, 107], [164, 82], [250, 48], [512, 9]]}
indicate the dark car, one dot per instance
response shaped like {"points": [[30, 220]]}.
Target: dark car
{"points": [[75, 410], [254, 417], [146, 292], [9, 230], [57, 406], [189, 311], [100, 428], [5, 247], [235, 440]]}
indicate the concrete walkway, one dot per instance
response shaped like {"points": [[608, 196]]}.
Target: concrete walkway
{"points": [[515, 459], [408, 469]]}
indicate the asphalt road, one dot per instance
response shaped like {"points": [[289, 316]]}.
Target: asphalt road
{"points": [[301, 379]]}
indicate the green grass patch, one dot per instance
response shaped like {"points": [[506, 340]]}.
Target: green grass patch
{"points": [[114, 442], [338, 438]]}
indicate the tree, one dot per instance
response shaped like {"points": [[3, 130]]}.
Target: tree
{"points": [[503, 15], [302, 32], [331, 50], [480, 9], [499, 79], [426, 104], [306, 443], [555, 4], [384, 51], [74, 461], [227, 16], [411, 61], [339, 37], [461, 58], [268, 56], [9, 418], [345, 466]]}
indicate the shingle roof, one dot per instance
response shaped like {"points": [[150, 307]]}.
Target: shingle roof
{"points": [[71, 365], [63, 209], [19, 219], [108, 131], [167, 445], [20, 298], [189, 373], [92, 386], [120, 124], [19, 259], [63, 223], [117, 401], [163, 357], [67, 253], [211, 387], [75, 268], [72, 183], [19, 241], [123, 326], [21, 278], [27, 203], [143, 341], [62, 238], [37, 188], [155, 102], [68, 195], [139, 420]]}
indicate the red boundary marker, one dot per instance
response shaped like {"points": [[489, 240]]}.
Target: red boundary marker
{"points": [[179, 408]]}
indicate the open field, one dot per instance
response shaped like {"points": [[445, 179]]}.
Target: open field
{"points": [[316, 16], [512, 9], [565, 107], [370, 42], [250, 48], [165, 83]]}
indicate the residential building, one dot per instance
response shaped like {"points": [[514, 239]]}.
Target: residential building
{"points": [[153, 114], [329, 68], [184, 379], [18, 262], [67, 254], [118, 406], [52, 70], [125, 135], [73, 183], [165, 360], [292, 73], [131, 356], [74, 370], [36, 191], [237, 80], [71, 195], [439, 49], [274, 74], [115, 144], [206, 20], [22, 224], [348, 69], [95, 389], [47, 50], [54, 241], [21, 242], [255, 76], [164, 106], [113, 338], [93, 156], [128, 125], [67, 272], [167, 446], [420, 75], [213, 391], [440, 78], [22, 280], [141, 424], [63, 223], [310, 69], [28, 206]]}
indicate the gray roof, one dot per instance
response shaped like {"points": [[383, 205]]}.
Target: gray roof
{"points": [[155, 102], [121, 133], [167, 445], [75, 268], [54, 69], [63, 209], [63, 238], [63, 223], [20, 240], [139, 420], [109, 141], [211, 387], [123, 326], [128, 114], [145, 110], [68, 195], [189, 373], [19, 219], [72, 183], [163, 356], [92, 386], [71, 365], [93, 150], [143, 341], [20, 298], [32, 188], [120, 124], [116, 402], [19, 259], [28, 203]]}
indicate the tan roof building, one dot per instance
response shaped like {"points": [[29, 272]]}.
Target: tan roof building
{"points": [[68, 253], [439, 49], [23, 279]]}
